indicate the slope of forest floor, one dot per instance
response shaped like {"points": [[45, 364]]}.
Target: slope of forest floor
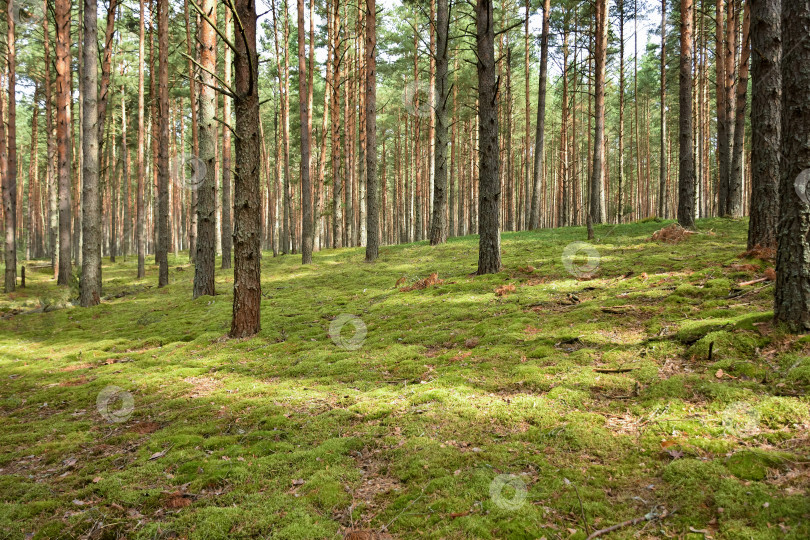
{"points": [[525, 404]]}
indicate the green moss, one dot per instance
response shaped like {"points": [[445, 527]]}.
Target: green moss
{"points": [[279, 435]]}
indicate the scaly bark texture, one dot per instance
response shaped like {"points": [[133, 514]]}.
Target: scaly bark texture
{"points": [[596, 201], [162, 251], [663, 205], [338, 230], [686, 167], [735, 185], [766, 96], [489, 185], [227, 202], [63, 75], [539, 135], [438, 227], [247, 291], [10, 177], [792, 294], [303, 110], [206, 254], [90, 285], [372, 202], [140, 214]]}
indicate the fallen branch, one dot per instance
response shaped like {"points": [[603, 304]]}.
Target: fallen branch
{"points": [[617, 370], [754, 281], [648, 517]]}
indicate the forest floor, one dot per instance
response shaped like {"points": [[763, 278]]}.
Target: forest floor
{"points": [[525, 404]]}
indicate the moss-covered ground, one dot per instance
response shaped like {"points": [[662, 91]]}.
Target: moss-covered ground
{"points": [[655, 385]]}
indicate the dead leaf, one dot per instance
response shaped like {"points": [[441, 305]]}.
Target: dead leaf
{"points": [[158, 455], [719, 374]]}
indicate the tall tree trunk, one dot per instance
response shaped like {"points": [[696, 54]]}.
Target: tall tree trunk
{"points": [[32, 213], [206, 189], [10, 178], [163, 144], [247, 292], [662, 167], [53, 190], [526, 186], [596, 196], [90, 286], [735, 191], [140, 201], [792, 294], [334, 92], [539, 136], [438, 228], [195, 130], [489, 196], [306, 161], [372, 203], [63, 75], [766, 95], [732, 28], [227, 203], [686, 170]]}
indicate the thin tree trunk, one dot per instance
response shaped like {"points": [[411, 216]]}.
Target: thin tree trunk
{"points": [[303, 108], [597, 194], [686, 171], [766, 94], [195, 127], [63, 75], [735, 195], [662, 178], [438, 228], [53, 190], [338, 231], [227, 203], [206, 188], [372, 204], [140, 197], [10, 178], [163, 144], [539, 136]]}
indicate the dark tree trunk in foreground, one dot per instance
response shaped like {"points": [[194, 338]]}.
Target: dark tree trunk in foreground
{"points": [[489, 183], [247, 293], [372, 203], [596, 191], [162, 251], [303, 110], [10, 178], [766, 95], [227, 203], [63, 75], [438, 227], [686, 169], [90, 290], [539, 136], [792, 302], [206, 188]]}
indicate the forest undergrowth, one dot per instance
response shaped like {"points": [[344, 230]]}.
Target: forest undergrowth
{"points": [[575, 390]]}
